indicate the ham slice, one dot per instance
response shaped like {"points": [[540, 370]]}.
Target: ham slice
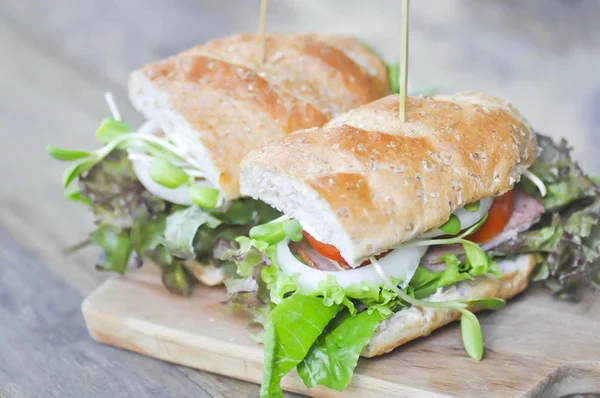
{"points": [[528, 211], [312, 258]]}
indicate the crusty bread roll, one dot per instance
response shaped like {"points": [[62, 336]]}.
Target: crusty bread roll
{"points": [[217, 101], [413, 322], [367, 182]]}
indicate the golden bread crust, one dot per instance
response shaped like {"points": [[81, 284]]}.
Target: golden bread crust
{"points": [[385, 182], [233, 104]]}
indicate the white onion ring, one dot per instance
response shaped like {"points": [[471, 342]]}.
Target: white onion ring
{"points": [[179, 195], [401, 263]]}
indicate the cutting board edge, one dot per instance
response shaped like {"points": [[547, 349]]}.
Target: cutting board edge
{"points": [[130, 331], [109, 329]]}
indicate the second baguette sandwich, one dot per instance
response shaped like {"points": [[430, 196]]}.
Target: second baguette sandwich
{"points": [[392, 230]]}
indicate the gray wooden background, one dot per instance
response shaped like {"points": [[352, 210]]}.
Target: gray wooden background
{"points": [[58, 57]]}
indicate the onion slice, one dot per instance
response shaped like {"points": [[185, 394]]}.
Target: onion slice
{"points": [[401, 264], [180, 195], [467, 218]]}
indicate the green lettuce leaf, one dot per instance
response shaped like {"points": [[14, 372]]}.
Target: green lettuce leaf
{"points": [[454, 272], [291, 329], [426, 289], [424, 283], [116, 249], [564, 179], [181, 230], [567, 241], [146, 233], [177, 279], [541, 239], [333, 357], [116, 194]]}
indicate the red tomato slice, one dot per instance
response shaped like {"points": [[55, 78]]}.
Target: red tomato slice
{"points": [[332, 253], [498, 216], [324, 249]]}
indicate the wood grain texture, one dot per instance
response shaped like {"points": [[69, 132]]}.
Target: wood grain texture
{"points": [[520, 359], [46, 351]]}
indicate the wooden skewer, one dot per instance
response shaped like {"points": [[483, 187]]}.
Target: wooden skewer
{"points": [[262, 27], [403, 78]]}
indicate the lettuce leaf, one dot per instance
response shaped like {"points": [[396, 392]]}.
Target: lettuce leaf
{"points": [[116, 194], [295, 318], [333, 357], [425, 282], [182, 227], [542, 239], [116, 249], [291, 329], [567, 241], [564, 179], [146, 233]]}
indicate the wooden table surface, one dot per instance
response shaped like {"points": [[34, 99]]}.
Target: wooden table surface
{"points": [[60, 56]]}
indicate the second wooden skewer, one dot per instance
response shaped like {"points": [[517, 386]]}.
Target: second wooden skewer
{"points": [[403, 78], [262, 27]]}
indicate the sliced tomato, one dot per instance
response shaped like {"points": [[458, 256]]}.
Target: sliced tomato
{"points": [[324, 249], [498, 216], [332, 253]]}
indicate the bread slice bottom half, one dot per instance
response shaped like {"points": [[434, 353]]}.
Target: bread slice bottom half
{"points": [[413, 322]]}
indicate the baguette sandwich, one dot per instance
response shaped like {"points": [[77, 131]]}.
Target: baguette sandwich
{"points": [[170, 190], [391, 230]]}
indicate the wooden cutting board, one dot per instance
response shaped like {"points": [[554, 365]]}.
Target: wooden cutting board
{"points": [[535, 347]]}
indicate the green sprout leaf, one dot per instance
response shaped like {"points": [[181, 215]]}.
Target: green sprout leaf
{"points": [[472, 335], [293, 230], [452, 226], [491, 303], [472, 207], [67, 155], [166, 174], [270, 233], [448, 241], [205, 197], [76, 170], [111, 129], [75, 196]]}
